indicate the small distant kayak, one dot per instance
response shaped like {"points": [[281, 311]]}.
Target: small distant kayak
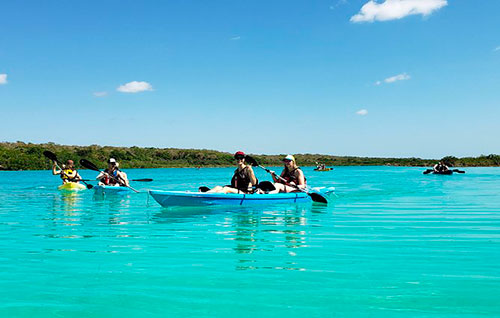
{"points": [[72, 186], [448, 172], [104, 189], [187, 198], [325, 169]]}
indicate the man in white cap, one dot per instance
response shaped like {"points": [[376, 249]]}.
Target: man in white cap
{"points": [[113, 176]]}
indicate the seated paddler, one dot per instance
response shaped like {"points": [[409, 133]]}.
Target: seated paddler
{"points": [[68, 172], [243, 180], [291, 179], [112, 175]]}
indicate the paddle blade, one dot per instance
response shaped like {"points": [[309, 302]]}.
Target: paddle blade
{"points": [[50, 155], [89, 165], [427, 171], [203, 189], [142, 180], [316, 197], [251, 161], [89, 186], [266, 186]]}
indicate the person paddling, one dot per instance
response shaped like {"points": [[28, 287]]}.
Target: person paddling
{"points": [[112, 175], [292, 174], [243, 180], [440, 167], [68, 172]]}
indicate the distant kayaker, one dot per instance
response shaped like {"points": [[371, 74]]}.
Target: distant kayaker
{"points": [[243, 180], [68, 172], [112, 175], [292, 174], [440, 167]]}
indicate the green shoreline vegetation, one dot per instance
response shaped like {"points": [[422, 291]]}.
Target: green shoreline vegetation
{"points": [[28, 156]]}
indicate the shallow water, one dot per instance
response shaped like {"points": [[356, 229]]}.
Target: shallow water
{"points": [[394, 243]]}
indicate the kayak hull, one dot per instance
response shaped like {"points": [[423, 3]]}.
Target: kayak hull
{"points": [[103, 189], [326, 169], [71, 186], [186, 198], [444, 172]]}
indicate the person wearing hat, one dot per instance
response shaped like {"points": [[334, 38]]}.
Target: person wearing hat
{"points": [[112, 175], [243, 179], [292, 178], [68, 172]]}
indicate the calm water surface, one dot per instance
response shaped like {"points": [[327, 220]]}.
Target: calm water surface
{"points": [[394, 243]]}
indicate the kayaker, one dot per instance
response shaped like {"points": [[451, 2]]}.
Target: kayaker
{"points": [[243, 180], [293, 175], [440, 167], [112, 175], [68, 172]]}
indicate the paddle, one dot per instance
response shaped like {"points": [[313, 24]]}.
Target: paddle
{"points": [[53, 157], [458, 171], [203, 189], [89, 165], [315, 196], [135, 180]]}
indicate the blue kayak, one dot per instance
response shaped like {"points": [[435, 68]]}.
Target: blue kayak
{"points": [[103, 189], [186, 198]]}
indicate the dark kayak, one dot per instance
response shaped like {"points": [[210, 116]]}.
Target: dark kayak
{"points": [[447, 172], [443, 172]]}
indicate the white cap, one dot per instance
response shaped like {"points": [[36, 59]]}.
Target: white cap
{"points": [[111, 160], [289, 157]]}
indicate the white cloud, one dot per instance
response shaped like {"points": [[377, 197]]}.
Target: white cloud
{"points": [[395, 78], [362, 112], [135, 87], [496, 49], [396, 9], [100, 94], [399, 77], [3, 79], [235, 38]]}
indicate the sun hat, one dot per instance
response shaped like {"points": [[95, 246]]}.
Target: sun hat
{"points": [[112, 160], [289, 157]]}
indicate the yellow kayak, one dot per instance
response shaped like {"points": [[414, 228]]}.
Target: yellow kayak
{"points": [[71, 186]]}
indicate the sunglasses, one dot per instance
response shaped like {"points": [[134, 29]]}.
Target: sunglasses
{"points": [[287, 160], [239, 157]]}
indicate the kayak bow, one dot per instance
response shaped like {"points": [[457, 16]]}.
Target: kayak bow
{"points": [[71, 186]]}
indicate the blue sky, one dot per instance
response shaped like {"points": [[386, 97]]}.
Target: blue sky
{"points": [[343, 77]]}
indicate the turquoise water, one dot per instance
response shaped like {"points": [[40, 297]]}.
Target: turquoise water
{"points": [[394, 243]]}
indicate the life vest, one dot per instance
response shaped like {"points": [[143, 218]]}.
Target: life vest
{"points": [[69, 175], [111, 181], [292, 176], [241, 180]]}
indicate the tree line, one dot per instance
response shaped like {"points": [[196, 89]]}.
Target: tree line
{"points": [[28, 156]]}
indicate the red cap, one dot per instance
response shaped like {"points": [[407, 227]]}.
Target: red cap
{"points": [[239, 153]]}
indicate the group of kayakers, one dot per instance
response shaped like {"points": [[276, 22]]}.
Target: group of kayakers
{"points": [[111, 176], [291, 179]]}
